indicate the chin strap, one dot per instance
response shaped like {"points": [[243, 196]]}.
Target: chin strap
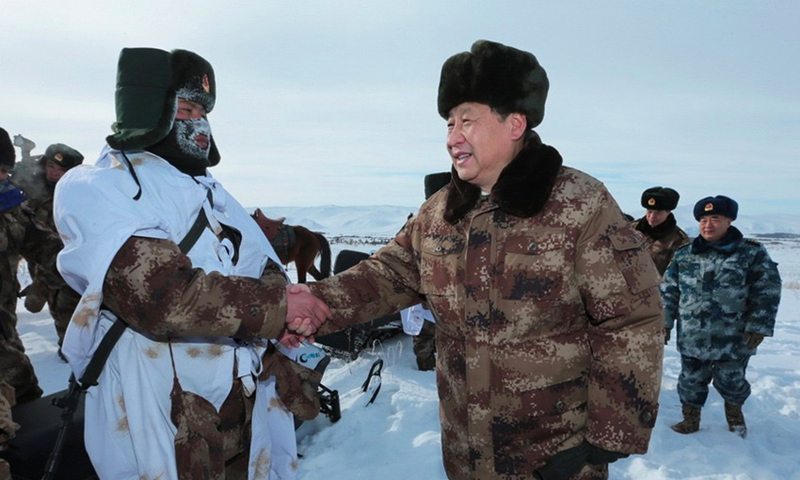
{"points": [[133, 174]]}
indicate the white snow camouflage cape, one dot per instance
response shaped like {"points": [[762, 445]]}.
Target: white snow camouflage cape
{"points": [[95, 213]]}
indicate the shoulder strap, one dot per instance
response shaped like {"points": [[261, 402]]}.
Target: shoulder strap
{"points": [[100, 356]]}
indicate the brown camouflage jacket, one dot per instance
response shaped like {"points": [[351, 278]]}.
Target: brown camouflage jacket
{"points": [[21, 235], [662, 240], [549, 321]]}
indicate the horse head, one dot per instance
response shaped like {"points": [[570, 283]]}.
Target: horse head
{"points": [[269, 226]]}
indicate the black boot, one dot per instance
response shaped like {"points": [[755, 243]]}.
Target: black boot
{"points": [[690, 422], [735, 418]]}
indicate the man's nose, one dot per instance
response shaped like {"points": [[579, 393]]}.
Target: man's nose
{"points": [[454, 137]]}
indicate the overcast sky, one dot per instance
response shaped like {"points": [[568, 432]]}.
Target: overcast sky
{"points": [[335, 102]]}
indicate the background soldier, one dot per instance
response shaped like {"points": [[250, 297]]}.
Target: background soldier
{"points": [[20, 236], [663, 236], [38, 186], [723, 292]]}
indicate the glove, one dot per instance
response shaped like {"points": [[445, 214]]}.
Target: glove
{"points": [[598, 456], [667, 333], [752, 339], [564, 464]]}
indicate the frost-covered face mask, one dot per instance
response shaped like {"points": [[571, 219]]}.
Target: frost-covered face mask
{"points": [[186, 146], [193, 137]]}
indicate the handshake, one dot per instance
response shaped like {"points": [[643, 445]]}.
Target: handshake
{"points": [[305, 313]]}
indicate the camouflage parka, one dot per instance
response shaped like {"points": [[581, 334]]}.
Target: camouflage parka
{"points": [[716, 292], [548, 316], [662, 240], [21, 236]]}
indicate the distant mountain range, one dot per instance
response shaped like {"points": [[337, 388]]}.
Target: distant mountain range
{"points": [[386, 220]]}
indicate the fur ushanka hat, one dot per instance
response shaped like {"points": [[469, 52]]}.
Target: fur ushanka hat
{"points": [[719, 205], [8, 156], [62, 155], [504, 78], [660, 198], [149, 82]]}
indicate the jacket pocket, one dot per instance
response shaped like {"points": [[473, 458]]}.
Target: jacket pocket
{"points": [[534, 266], [440, 256], [523, 440], [633, 260]]}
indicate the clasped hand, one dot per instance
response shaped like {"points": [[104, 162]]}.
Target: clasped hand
{"points": [[304, 315]]}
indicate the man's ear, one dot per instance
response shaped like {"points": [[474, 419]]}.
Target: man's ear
{"points": [[518, 124]]}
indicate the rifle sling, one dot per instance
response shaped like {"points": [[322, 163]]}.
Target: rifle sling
{"points": [[100, 356]]}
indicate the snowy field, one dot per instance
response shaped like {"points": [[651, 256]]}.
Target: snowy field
{"points": [[397, 437]]}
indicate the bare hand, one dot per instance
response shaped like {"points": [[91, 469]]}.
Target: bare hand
{"points": [[290, 340], [305, 312]]}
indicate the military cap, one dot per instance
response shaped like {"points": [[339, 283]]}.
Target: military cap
{"points": [[660, 198], [719, 205], [62, 155], [504, 78]]}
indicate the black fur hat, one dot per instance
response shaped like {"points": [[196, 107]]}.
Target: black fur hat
{"points": [[435, 182], [62, 155], [504, 78], [8, 156], [660, 198], [149, 82], [719, 205]]}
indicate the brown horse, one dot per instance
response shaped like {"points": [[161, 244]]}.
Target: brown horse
{"points": [[294, 243]]}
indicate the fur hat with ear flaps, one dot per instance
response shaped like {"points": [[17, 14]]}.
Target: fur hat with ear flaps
{"points": [[504, 78], [660, 198], [8, 155], [62, 155], [149, 82]]}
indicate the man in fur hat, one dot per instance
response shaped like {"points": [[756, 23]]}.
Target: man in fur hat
{"points": [[549, 326], [723, 292], [38, 185], [663, 235], [162, 253]]}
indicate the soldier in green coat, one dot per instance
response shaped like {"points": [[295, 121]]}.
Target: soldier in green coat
{"points": [[722, 292]]}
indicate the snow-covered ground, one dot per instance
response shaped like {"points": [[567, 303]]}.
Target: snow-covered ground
{"points": [[397, 437]]}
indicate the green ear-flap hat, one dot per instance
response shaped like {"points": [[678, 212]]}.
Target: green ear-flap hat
{"points": [[62, 155], [149, 82], [504, 78]]}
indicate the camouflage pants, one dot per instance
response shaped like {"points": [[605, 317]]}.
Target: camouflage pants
{"points": [[15, 366], [425, 346], [728, 376]]}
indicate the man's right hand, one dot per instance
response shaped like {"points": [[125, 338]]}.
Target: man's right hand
{"points": [[305, 312]]}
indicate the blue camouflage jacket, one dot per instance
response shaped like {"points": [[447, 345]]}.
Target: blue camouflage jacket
{"points": [[716, 292]]}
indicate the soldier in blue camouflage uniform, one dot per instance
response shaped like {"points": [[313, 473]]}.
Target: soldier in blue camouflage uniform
{"points": [[549, 323], [723, 292]]}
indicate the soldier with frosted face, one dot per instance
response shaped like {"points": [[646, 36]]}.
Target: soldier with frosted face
{"points": [[721, 292], [153, 240]]}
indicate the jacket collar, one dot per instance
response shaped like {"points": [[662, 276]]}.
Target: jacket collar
{"points": [[522, 189], [725, 245], [659, 231]]}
